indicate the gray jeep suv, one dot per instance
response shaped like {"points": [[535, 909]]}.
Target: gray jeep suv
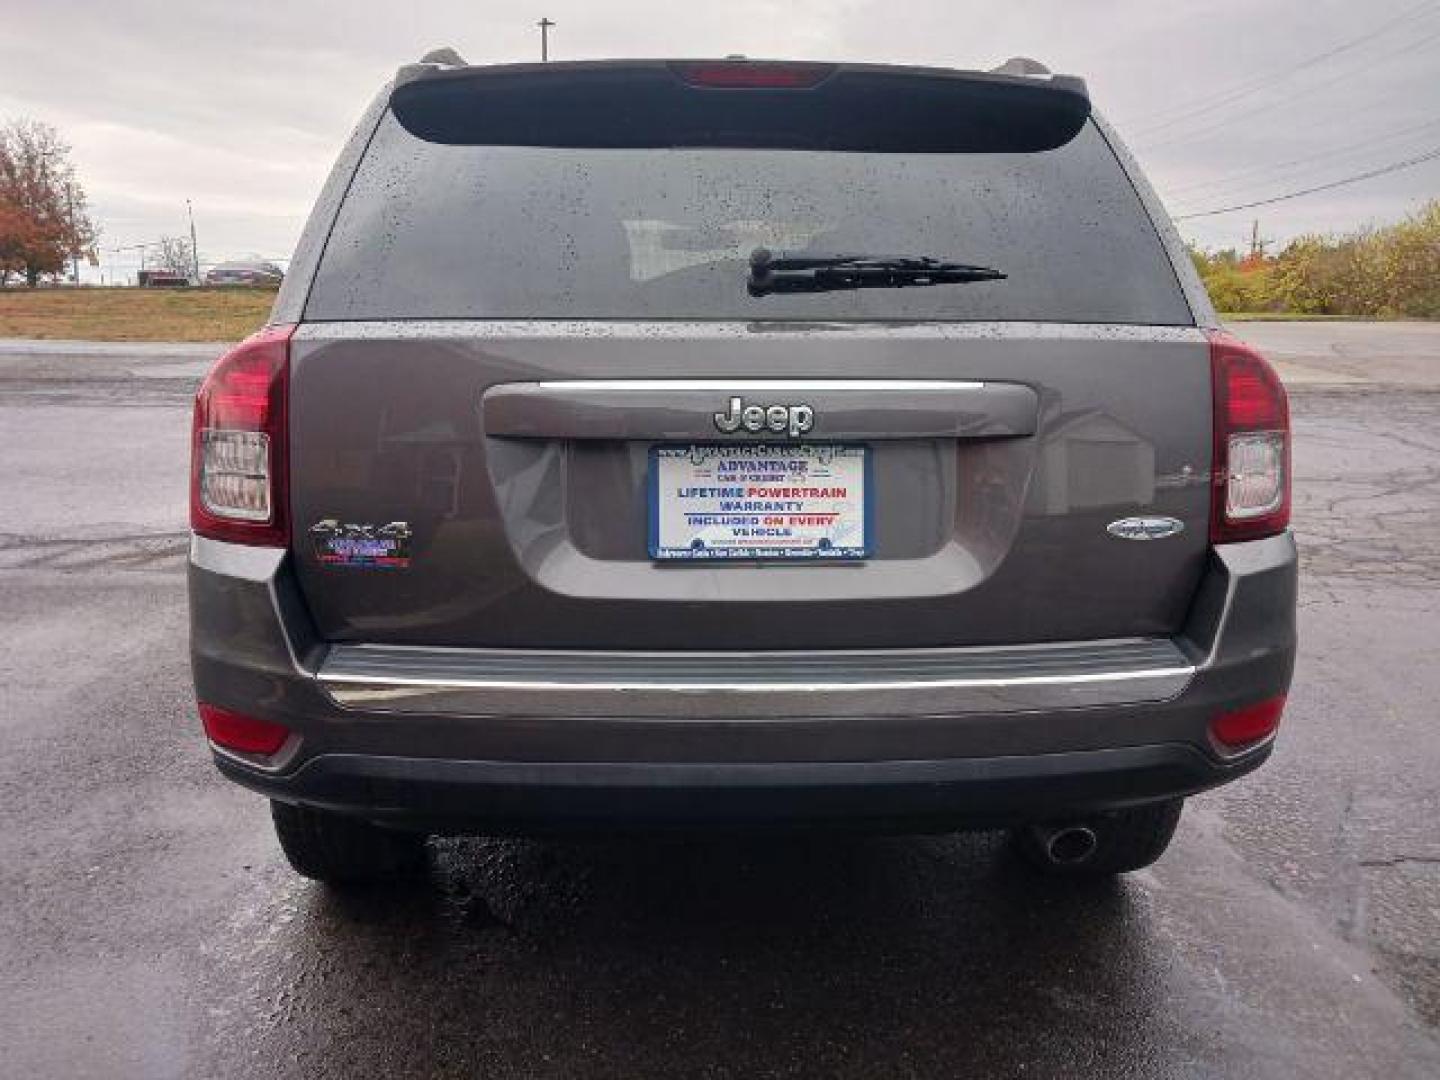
{"points": [[745, 444]]}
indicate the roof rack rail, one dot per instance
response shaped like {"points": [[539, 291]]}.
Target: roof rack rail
{"points": [[444, 56], [1021, 65]]}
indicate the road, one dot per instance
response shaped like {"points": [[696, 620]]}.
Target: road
{"points": [[151, 930]]}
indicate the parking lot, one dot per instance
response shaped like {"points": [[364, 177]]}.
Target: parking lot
{"points": [[151, 928]]}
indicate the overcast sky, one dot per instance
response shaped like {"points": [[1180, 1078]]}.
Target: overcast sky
{"points": [[241, 107]]}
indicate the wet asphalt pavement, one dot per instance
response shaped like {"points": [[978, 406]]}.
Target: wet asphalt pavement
{"points": [[149, 928]]}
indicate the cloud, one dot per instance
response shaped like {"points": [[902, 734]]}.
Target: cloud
{"points": [[242, 108]]}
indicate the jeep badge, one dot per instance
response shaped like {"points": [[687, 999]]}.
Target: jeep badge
{"points": [[780, 419]]}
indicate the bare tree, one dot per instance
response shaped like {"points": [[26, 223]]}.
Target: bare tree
{"points": [[174, 254], [44, 217]]}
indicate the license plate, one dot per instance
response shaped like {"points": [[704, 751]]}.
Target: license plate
{"points": [[759, 501]]}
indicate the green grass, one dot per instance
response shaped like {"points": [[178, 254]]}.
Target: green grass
{"points": [[131, 314], [1295, 316], [1284, 316]]}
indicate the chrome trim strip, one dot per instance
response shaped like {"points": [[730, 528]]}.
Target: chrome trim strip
{"points": [[434, 682], [769, 687], [672, 409], [794, 386]]}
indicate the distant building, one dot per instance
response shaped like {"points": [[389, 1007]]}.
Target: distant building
{"points": [[156, 279]]}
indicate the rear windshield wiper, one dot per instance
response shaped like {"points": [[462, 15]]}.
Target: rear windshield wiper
{"points": [[798, 272]]}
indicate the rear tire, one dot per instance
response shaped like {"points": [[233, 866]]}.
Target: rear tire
{"points": [[341, 850], [1125, 840]]}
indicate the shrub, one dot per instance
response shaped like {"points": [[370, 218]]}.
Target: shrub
{"points": [[1391, 272]]}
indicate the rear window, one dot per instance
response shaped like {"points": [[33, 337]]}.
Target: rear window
{"points": [[432, 230]]}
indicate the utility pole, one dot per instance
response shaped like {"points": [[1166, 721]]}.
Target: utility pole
{"points": [[194, 251], [545, 24], [1257, 245], [74, 255]]}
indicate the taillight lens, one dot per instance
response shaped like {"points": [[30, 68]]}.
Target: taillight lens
{"points": [[1251, 724], [1250, 493], [239, 444], [236, 731]]}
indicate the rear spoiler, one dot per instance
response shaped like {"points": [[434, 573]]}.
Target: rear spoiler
{"points": [[742, 104]]}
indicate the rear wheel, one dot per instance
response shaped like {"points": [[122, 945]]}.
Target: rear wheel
{"points": [[1100, 846], [341, 850]]}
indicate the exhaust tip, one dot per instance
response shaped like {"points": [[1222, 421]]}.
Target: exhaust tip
{"points": [[1071, 845]]}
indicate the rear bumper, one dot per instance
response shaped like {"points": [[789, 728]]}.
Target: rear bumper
{"points": [[508, 796], [503, 740]]}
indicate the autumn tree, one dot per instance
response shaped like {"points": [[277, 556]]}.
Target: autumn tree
{"points": [[44, 217], [1412, 265]]}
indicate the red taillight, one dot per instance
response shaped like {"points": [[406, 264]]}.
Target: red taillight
{"points": [[1250, 474], [1248, 725], [236, 731], [748, 75], [239, 444]]}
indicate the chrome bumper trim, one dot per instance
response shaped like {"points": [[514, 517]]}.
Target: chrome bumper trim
{"points": [[754, 686]]}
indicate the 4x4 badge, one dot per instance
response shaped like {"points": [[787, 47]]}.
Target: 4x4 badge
{"points": [[1145, 528]]}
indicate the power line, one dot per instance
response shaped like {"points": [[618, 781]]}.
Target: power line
{"points": [[1225, 121], [1282, 166], [1240, 90], [1429, 155]]}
